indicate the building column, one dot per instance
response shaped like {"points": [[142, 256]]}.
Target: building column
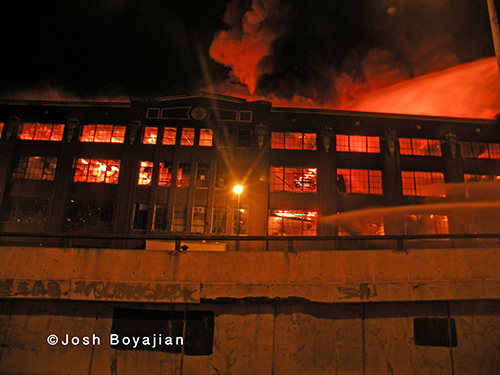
{"points": [[391, 181], [59, 202], [7, 144], [454, 174], [327, 185]]}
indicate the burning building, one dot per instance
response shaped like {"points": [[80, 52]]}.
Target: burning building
{"points": [[361, 242]]}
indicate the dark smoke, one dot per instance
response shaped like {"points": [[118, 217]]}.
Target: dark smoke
{"points": [[334, 51]]}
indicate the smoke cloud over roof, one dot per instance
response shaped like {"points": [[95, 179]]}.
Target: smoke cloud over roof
{"points": [[331, 52]]}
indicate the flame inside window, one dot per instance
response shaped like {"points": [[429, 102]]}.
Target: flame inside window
{"points": [[41, 132], [145, 173], [292, 223], [150, 135], [97, 171], [296, 179], [103, 133]]}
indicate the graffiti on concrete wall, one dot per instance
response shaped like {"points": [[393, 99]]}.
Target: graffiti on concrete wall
{"points": [[363, 292], [101, 290], [117, 291], [34, 288]]}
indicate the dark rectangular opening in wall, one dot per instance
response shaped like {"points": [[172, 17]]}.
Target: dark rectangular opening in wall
{"points": [[149, 330], [435, 332]]}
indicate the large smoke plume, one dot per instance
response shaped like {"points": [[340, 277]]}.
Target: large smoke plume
{"points": [[327, 53]]}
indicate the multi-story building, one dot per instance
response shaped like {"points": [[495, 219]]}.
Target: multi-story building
{"points": [[308, 269]]}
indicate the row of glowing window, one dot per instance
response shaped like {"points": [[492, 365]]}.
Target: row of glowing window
{"points": [[279, 140], [296, 179], [299, 179]]}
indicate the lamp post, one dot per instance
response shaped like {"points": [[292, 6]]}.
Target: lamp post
{"points": [[238, 189]]}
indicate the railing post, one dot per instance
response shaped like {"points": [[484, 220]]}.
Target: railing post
{"points": [[290, 245], [177, 245], [399, 243]]}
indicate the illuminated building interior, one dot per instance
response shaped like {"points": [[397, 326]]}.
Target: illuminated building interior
{"points": [[172, 170]]}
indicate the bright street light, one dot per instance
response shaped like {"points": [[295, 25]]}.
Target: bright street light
{"points": [[238, 189]]}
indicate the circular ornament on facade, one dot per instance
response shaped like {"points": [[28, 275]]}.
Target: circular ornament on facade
{"points": [[198, 113]]}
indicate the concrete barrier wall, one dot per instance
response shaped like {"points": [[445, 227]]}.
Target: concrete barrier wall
{"points": [[319, 276], [278, 339]]}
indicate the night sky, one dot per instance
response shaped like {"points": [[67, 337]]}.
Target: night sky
{"points": [[131, 48]]}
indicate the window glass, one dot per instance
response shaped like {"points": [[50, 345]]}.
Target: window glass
{"points": [[240, 220], [145, 173], [357, 143], [206, 137], [292, 223], [160, 218], [202, 174], [277, 140], [199, 219], [22, 210], [179, 219], [41, 132], [480, 150], [423, 183], [89, 214], [165, 175], [359, 181], [103, 133], [219, 220], [373, 225], [187, 138], [150, 135], [244, 138], [169, 135], [221, 176], [97, 170], [293, 141], [296, 179], [140, 216], [183, 174], [35, 168], [426, 224]]}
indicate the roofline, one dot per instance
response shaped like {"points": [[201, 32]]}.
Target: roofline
{"points": [[199, 94], [61, 103]]}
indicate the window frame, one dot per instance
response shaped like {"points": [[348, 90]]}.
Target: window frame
{"points": [[36, 136], [374, 181], [114, 136], [350, 143], [419, 189]]}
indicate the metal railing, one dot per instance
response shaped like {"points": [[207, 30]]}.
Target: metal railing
{"points": [[285, 243]]}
